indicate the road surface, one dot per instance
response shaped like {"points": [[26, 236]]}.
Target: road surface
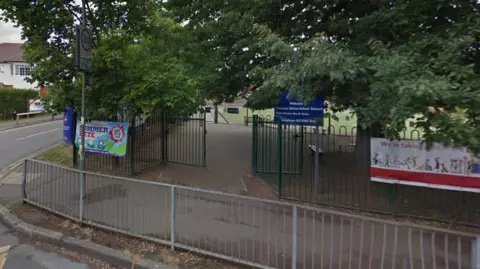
{"points": [[18, 143], [17, 252]]}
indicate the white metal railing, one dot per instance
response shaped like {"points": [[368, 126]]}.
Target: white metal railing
{"points": [[257, 232], [28, 114]]}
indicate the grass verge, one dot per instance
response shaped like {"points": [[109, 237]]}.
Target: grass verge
{"points": [[59, 154]]}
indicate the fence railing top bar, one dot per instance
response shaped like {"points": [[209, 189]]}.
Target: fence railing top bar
{"points": [[102, 175], [389, 222], [282, 203]]}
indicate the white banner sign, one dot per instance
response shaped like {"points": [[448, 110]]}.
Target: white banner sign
{"points": [[409, 162]]}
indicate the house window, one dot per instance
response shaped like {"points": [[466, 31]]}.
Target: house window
{"points": [[22, 70]]}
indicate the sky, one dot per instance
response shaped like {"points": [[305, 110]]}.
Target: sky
{"points": [[9, 34]]}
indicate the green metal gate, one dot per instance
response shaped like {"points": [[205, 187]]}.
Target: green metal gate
{"points": [[276, 145], [185, 141]]}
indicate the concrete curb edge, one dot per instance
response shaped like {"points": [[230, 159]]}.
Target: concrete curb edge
{"points": [[103, 253]]}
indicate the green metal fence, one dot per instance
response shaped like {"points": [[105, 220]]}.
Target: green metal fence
{"points": [[344, 174], [157, 139]]}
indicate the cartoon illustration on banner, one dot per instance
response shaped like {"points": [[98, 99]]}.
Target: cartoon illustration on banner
{"points": [[104, 137], [410, 161]]}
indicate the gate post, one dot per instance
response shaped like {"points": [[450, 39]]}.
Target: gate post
{"points": [[301, 148], [279, 158], [132, 147], [254, 144], [24, 180], [164, 137], [204, 139]]}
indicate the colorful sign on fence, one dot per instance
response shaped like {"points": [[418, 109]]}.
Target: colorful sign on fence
{"points": [[409, 162], [104, 137]]}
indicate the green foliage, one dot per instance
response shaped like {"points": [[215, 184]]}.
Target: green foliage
{"points": [[15, 100], [392, 60], [393, 63], [138, 63]]}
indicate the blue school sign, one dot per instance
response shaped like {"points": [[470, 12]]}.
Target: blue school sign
{"points": [[68, 125], [293, 111]]}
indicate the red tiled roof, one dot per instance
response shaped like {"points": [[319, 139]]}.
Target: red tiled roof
{"points": [[11, 52]]}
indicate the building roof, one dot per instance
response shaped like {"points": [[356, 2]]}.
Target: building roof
{"points": [[11, 52]]}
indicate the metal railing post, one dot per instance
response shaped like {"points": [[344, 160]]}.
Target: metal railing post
{"points": [[317, 161], [279, 159], [254, 145], [294, 236], [204, 153], [82, 195], [24, 180], [172, 217], [476, 253], [163, 135]]}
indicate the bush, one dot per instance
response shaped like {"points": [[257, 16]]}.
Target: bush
{"points": [[15, 100]]}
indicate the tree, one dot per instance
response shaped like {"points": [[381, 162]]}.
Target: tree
{"points": [[133, 67], [225, 48], [415, 54], [391, 60]]}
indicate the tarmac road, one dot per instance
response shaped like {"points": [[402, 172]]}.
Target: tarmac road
{"points": [[18, 143], [15, 251]]}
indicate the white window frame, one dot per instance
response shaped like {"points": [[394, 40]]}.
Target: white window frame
{"points": [[22, 70]]}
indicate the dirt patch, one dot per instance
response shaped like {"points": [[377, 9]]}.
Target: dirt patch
{"points": [[130, 246]]}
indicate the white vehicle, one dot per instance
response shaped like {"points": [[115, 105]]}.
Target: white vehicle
{"points": [[36, 106]]}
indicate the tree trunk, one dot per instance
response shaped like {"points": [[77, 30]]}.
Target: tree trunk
{"points": [[215, 117], [362, 147]]}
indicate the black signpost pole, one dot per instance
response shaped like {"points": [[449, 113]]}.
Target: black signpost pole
{"points": [[82, 121]]}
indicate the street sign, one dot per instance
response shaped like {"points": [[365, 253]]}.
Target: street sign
{"points": [[84, 47], [293, 111]]}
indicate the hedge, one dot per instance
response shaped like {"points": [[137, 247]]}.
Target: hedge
{"points": [[15, 100]]}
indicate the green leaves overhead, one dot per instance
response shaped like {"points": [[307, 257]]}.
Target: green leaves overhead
{"points": [[139, 59], [392, 60]]}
